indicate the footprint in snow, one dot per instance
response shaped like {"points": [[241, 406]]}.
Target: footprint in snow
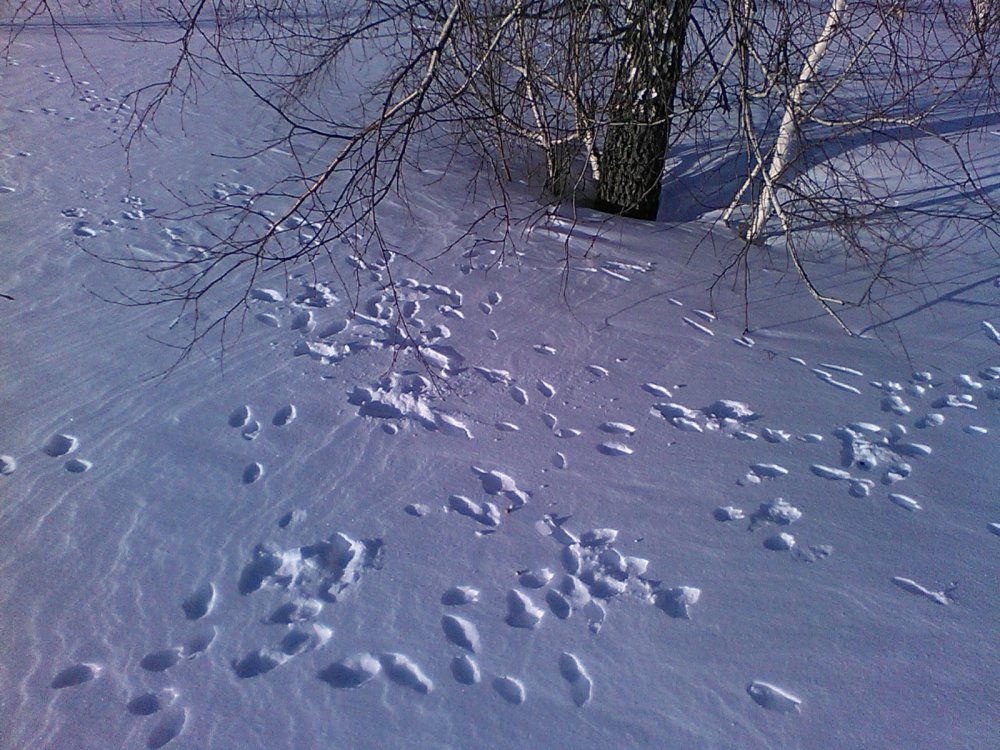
{"points": [[168, 728], [459, 595], [253, 472], [240, 416], [78, 465], [938, 597], [617, 428], [763, 471], [461, 633], [200, 602], [60, 445], [285, 415], [580, 684], [78, 674], [522, 612], [161, 661], [510, 689], [148, 704], [257, 663], [403, 671], [699, 327], [268, 319], [615, 449], [465, 670], [8, 465], [773, 697], [263, 294]]}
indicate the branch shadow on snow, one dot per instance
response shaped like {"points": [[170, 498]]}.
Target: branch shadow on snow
{"points": [[705, 179]]}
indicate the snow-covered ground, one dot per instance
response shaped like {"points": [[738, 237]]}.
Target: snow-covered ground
{"points": [[622, 523]]}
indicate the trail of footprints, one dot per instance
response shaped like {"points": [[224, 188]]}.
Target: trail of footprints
{"points": [[593, 571], [242, 419]]}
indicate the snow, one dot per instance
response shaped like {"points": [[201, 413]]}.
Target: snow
{"points": [[261, 549]]}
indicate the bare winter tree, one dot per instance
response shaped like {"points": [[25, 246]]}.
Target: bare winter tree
{"points": [[827, 100], [839, 101]]}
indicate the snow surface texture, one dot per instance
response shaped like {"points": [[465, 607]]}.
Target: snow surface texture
{"points": [[623, 522]]}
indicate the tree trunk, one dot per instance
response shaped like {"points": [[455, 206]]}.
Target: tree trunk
{"points": [[785, 146], [640, 107]]}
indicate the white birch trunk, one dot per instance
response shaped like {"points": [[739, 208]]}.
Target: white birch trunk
{"points": [[784, 147]]}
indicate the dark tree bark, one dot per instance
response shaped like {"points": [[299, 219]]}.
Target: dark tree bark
{"points": [[641, 106]]}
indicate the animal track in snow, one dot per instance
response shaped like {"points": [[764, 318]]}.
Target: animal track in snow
{"points": [[546, 389], [251, 430], [657, 390], [519, 395], [351, 672], [773, 697], [240, 417], [679, 416], [263, 294], [403, 671], [459, 595], [461, 632], [828, 378], [763, 471], [780, 542], [596, 573], [498, 483], [253, 472], [858, 487], [698, 326], [903, 501], [78, 674], [303, 321], [510, 689], [485, 513], [580, 684], [60, 445], [285, 415], [148, 704], [677, 602], [617, 428], [522, 612], [938, 597], [465, 670], [728, 513], [78, 465], [453, 426], [615, 449], [8, 465], [168, 728], [535, 579], [161, 661]]}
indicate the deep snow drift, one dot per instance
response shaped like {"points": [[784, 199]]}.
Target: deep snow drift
{"points": [[622, 523]]}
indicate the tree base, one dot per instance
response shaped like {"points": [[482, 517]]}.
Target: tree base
{"points": [[646, 211]]}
